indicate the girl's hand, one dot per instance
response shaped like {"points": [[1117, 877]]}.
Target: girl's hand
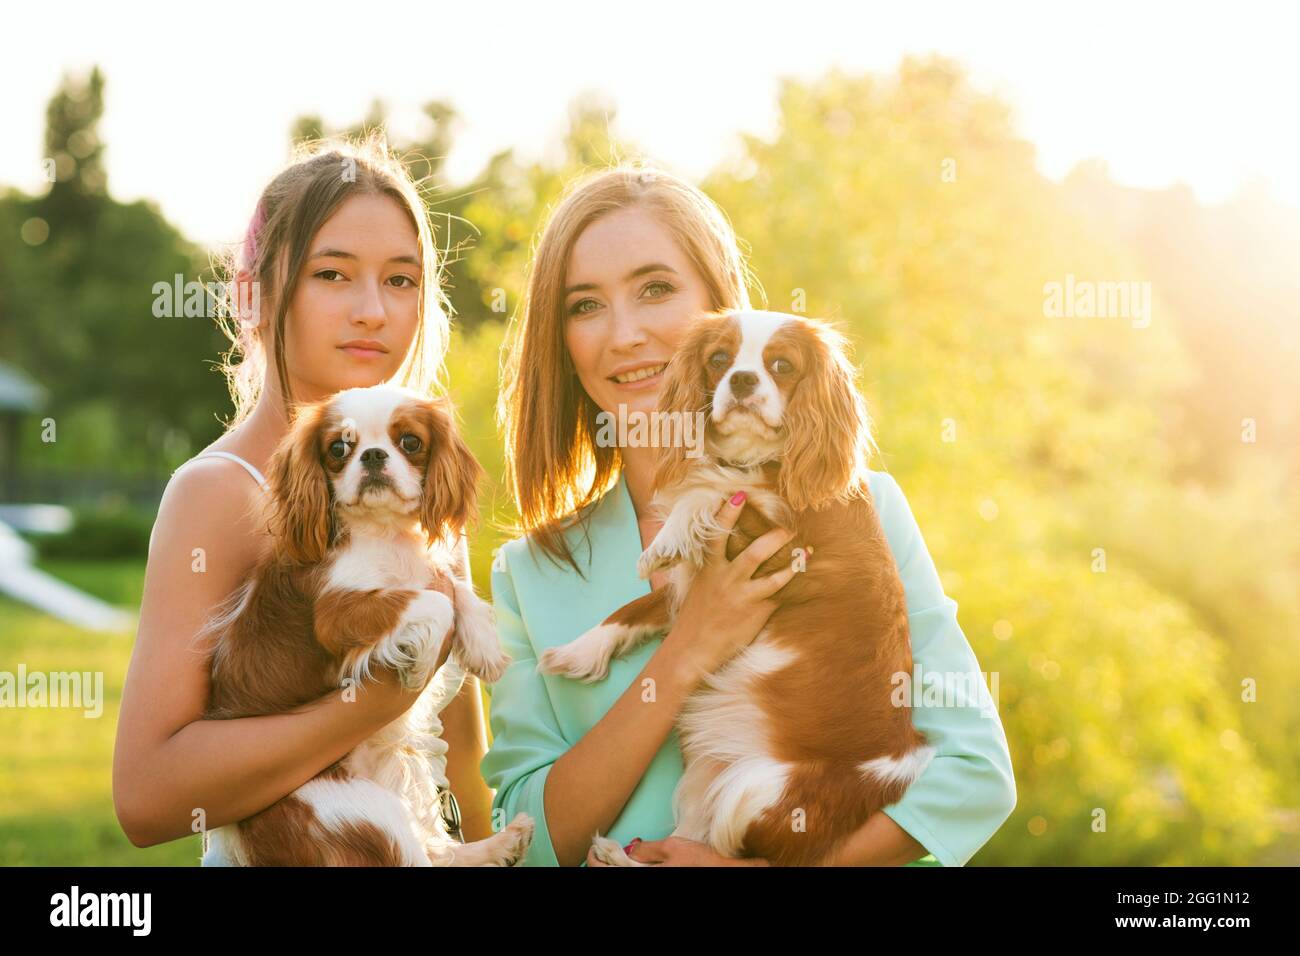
{"points": [[726, 606], [676, 851]]}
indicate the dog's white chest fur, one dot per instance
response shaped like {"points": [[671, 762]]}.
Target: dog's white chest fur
{"points": [[371, 562], [731, 772]]}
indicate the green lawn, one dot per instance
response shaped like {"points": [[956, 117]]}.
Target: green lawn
{"points": [[56, 802]]}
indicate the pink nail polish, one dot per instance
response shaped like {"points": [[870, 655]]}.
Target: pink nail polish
{"points": [[738, 498]]}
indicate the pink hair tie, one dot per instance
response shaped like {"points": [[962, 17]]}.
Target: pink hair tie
{"points": [[250, 237], [251, 320]]}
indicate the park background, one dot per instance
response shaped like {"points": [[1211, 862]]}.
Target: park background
{"points": [[1111, 501]]}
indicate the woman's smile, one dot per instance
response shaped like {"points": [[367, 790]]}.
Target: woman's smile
{"points": [[640, 378]]}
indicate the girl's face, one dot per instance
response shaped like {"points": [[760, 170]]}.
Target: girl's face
{"points": [[631, 294], [355, 311]]}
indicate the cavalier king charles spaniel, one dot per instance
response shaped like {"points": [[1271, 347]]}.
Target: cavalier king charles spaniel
{"points": [[367, 490], [792, 744]]}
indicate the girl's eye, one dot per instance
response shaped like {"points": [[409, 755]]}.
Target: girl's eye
{"points": [[410, 443], [577, 307], [325, 273], [782, 366], [339, 449], [659, 284], [411, 283], [719, 359]]}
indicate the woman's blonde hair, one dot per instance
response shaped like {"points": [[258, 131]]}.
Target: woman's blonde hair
{"points": [[554, 465], [318, 179]]}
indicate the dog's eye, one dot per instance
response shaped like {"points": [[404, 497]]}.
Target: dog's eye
{"points": [[339, 449], [410, 444], [782, 366], [719, 359]]}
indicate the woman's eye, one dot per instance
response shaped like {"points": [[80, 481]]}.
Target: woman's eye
{"points": [[782, 366], [339, 449], [325, 273], [659, 284], [410, 444], [578, 307], [410, 283], [719, 359]]}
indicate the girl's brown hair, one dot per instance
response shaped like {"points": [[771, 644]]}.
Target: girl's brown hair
{"points": [[297, 202], [554, 465]]}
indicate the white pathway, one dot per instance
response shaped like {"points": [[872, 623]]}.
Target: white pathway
{"points": [[22, 582]]}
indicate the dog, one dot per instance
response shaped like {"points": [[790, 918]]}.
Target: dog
{"points": [[792, 744], [367, 489]]}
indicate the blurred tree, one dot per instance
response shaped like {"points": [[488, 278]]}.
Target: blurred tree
{"points": [[907, 209], [73, 145], [128, 390]]}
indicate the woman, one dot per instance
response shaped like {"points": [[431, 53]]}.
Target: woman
{"points": [[337, 287], [629, 258]]}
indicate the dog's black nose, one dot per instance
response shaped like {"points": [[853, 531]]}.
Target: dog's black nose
{"points": [[373, 458], [743, 383]]}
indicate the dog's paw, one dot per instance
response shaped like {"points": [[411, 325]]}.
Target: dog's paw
{"points": [[475, 618], [411, 649], [487, 666], [520, 831], [563, 662], [478, 648], [609, 852], [585, 658], [415, 646], [655, 559]]}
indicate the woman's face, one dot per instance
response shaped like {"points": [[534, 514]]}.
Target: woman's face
{"points": [[631, 294], [355, 311]]}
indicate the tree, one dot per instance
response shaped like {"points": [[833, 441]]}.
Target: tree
{"points": [[128, 390]]}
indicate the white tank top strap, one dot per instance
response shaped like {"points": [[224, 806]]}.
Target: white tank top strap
{"points": [[230, 456]]}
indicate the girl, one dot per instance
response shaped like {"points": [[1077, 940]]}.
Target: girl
{"points": [[336, 286], [628, 260]]}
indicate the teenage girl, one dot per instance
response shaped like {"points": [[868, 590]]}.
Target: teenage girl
{"points": [[335, 286]]}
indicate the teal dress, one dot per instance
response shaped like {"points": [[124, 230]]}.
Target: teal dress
{"points": [[959, 801]]}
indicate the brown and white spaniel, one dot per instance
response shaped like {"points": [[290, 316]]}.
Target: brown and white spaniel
{"points": [[798, 739], [368, 490]]}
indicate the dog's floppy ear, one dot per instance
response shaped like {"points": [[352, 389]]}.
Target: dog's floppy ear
{"points": [[686, 392], [828, 426], [302, 517], [451, 476]]}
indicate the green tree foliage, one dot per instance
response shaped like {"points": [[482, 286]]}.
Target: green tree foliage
{"points": [[77, 311], [72, 143], [907, 209]]}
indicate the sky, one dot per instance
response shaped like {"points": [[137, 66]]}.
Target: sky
{"points": [[199, 99]]}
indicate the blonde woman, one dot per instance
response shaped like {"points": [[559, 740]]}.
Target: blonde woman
{"points": [[337, 286], [629, 258]]}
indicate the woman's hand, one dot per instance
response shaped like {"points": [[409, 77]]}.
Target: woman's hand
{"points": [[726, 606], [676, 851]]}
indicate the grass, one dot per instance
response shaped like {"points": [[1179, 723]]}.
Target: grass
{"points": [[56, 798]]}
